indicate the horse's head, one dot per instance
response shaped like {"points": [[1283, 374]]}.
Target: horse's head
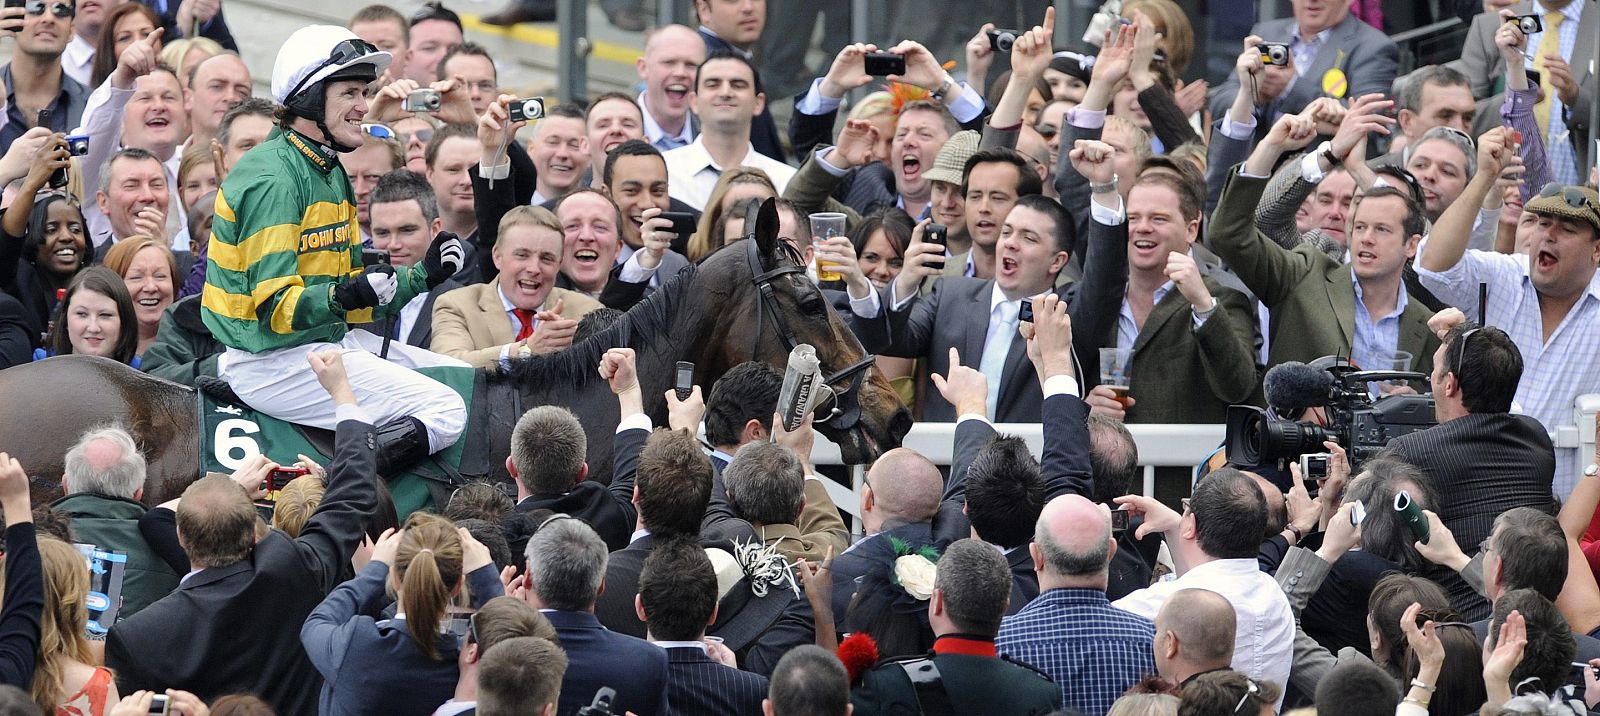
{"points": [[777, 308]]}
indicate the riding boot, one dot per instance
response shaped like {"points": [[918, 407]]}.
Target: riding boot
{"points": [[402, 443]]}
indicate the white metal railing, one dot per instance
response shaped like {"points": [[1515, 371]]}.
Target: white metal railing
{"points": [[1159, 446]]}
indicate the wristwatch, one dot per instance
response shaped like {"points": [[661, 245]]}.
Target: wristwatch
{"points": [[944, 89], [1104, 187], [1327, 153]]}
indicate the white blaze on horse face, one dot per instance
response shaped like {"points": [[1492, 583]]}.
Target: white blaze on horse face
{"points": [[528, 256]]}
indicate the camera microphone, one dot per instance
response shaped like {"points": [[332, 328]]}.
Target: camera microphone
{"points": [[1294, 386]]}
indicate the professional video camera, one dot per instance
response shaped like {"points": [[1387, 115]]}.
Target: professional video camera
{"points": [[1362, 426]]}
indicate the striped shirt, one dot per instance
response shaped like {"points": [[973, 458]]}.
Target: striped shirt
{"points": [[1555, 371], [1092, 650]]}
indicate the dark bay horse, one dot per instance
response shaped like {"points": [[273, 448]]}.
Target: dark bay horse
{"points": [[750, 300]]}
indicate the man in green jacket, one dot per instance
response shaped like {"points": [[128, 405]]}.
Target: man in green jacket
{"points": [[284, 273], [104, 480]]}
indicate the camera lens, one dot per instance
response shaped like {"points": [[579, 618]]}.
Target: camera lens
{"points": [[1527, 26], [1004, 41]]}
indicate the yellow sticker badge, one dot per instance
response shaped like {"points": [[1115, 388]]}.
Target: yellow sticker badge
{"points": [[1334, 83]]}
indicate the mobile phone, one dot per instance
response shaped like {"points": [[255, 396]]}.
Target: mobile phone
{"points": [[683, 223], [1002, 40], [1026, 312], [1119, 519], [58, 178], [1274, 53], [373, 257], [526, 110], [883, 64], [159, 705], [1313, 467], [1534, 78], [1528, 24], [423, 100], [685, 382], [939, 235], [1358, 513], [16, 3]]}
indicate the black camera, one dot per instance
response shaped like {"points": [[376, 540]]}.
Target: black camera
{"points": [[1274, 53], [601, 706], [1528, 24], [78, 145], [1355, 421], [1002, 40], [883, 64], [526, 110]]}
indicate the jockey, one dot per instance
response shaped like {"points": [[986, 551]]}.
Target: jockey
{"points": [[284, 272]]}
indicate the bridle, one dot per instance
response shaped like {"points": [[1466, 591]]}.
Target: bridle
{"points": [[846, 409]]}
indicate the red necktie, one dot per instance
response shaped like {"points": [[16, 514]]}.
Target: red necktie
{"points": [[527, 323]]}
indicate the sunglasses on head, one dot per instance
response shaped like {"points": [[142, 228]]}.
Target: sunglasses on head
{"points": [[1574, 197], [59, 9], [435, 11], [1251, 689]]}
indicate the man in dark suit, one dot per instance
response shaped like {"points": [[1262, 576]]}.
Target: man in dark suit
{"points": [[996, 489], [548, 446], [968, 602], [404, 220], [231, 625], [677, 599], [735, 27], [977, 319], [1319, 305], [635, 177], [1189, 341], [1489, 460], [898, 503], [1333, 54], [672, 483], [566, 572]]}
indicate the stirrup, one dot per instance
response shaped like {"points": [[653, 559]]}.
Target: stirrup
{"points": [[402, 443]]}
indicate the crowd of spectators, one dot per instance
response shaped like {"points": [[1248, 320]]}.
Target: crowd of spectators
{"points": [[1079, 235]]}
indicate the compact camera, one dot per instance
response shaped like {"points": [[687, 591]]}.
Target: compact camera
{"points": [[1107, 17], [423, 100], [1274, 53], [1002, 40], [527, 110], [1528, 24], [78, 145]]}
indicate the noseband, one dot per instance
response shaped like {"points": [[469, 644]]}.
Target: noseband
{"points": [[846, 409]]}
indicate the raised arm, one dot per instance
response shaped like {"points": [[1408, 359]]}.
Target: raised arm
{"points": [[1030, 55], [815, 111], [1065, 462], [24, 591], [1269, 270], [329, 629], [40, 154], [967, 390], [1448, 241], [1087, 120], [1517, 110], [1170, 123], [493, 181], [617, 367], [339, 523]]}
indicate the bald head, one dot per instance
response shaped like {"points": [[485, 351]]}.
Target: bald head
{"points": [[216, 522], [905, 487], [105, 461], [1072, 543], [674, 38], [1195, 632], [1277, 504]]}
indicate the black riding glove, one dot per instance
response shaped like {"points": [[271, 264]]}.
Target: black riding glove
{"points": [[375, 287], [444, 259]]}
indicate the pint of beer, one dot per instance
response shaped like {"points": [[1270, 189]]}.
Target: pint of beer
{"points": [[824, 226], [1114, 364]]}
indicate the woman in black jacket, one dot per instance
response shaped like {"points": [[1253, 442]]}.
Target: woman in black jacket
{"points": [[45, 242], [24, 591]]}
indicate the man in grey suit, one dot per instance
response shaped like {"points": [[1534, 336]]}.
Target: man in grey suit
{"points": [[1332, 52], [975, 321], [1568, 77]]}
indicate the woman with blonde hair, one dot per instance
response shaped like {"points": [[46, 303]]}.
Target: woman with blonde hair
{"points": [[408, 664], [150, 270], [186, 52], [736, 184], [65, 681]]}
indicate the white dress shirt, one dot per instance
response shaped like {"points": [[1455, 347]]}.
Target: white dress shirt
{"points": [[692, 173], [78, 60], [658, 137], [1263, 645]]}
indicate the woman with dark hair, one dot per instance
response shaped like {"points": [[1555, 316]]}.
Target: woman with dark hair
{"points": [[124, 25], [45, 241], [880, 240], [1435, 637], [95, 318]]}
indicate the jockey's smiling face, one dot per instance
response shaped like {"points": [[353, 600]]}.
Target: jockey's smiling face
{"points": [[399, 228], [346, 107], [528, 257]]}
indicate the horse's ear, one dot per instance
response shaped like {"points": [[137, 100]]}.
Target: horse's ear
{"points": [[765, 231]]}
